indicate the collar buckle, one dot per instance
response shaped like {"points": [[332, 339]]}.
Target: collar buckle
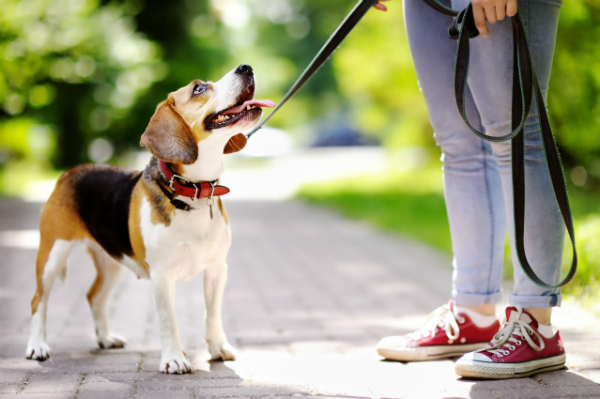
{"points": [[198, 190], [172, 180]]}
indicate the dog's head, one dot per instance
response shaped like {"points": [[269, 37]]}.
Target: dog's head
{"points": [[204, 111]]}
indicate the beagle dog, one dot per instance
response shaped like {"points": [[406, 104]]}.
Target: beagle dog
{"points": [[166, 223]]}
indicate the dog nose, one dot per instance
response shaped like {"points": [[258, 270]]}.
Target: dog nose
{"points": [[244, 69]]}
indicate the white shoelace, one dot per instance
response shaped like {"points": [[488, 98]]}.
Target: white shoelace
{"points": [[503, 341], [443, 317]]}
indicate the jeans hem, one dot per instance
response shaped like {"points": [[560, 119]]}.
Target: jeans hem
{"points": [[536, 301], [472, 299]]}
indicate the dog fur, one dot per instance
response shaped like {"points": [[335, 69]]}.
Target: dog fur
{"points": [[124, 218]]}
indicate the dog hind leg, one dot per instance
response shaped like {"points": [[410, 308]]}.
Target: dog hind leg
{"points": [[51, 260], [214, 285], [108, 273]]}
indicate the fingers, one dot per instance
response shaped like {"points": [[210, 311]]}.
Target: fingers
{"points": [[511, 8], [479, 17], [380, 6], [491, 11], [500, 12]]}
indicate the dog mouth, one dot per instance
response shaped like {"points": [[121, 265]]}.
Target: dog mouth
{"points": [[245, 109]]}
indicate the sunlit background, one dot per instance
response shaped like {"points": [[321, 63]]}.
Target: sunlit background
{"points": [[80, 79]]}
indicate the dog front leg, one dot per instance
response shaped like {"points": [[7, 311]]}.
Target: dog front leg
{"points": [[173, 359], [214, 286]]}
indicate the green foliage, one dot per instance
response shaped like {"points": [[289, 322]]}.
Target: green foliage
{"points": [[90, 69], [574, 96], [408, 203], [411, 204], [374, 71], [586, 282], [73, 64]]}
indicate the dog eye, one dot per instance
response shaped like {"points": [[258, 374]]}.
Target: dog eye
{"points": [[199, 89]]}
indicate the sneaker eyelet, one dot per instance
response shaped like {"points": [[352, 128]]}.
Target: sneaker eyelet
{"points": [[461, 320], [506, 353], [519, 343], [512, 347], [500, 355]]}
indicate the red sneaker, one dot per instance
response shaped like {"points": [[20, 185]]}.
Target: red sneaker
{"points": [[446, 334], [518, 350]]}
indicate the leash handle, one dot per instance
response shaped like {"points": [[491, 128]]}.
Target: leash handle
{"points": [[524, 87], [328, 48]]}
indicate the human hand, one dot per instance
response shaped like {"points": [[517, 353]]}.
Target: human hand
{"points": [[379, 6], [491, 11]]}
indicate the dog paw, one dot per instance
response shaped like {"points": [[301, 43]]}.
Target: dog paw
{"points": [[222, 351], [110, 341], [37, 351], [175, 365]]}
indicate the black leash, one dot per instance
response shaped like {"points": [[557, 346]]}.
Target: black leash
{"points": [[525, 84], [332, 43]]}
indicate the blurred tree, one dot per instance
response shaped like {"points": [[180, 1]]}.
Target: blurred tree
{"points": [[75, 65], [574, 96], [75, 71]]}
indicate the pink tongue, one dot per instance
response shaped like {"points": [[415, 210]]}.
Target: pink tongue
{"points": [[258, 103]]}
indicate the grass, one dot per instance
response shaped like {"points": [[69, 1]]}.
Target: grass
{"points": [[411, 204], [398, 202]]}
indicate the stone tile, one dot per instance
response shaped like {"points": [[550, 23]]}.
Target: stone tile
{"points": [[250, 391], [304, 322], [49, 383], [549, 393], [48, 395], [6, 389], [13, 376], [170, 394], [105, 389]]}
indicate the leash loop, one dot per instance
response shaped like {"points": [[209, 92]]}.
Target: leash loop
{"points": [[525, 84]]}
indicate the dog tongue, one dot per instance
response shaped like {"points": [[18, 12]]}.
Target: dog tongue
{"points": [[258, 103]]}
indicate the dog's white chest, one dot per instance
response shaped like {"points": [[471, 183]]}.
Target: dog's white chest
{"points": [[191, 243]]}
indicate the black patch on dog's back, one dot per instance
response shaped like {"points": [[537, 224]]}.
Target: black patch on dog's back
{"points": [[103, 195]]}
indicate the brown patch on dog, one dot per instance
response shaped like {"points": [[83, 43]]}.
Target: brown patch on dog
{"points": [[59, 220], [223, 210], [98, 282], [161, 210], [177, 168], [235, 144], [169, 136], [135, 229]]}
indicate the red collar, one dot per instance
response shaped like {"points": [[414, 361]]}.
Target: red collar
{"points": [[187, 188]]}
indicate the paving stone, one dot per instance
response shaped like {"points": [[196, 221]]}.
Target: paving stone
{"points": [[105, 389], [49, 383], [170, 394], [6, 389], [308, 297], [549, 393], [50, 395], [250, 391], [13, 376]]}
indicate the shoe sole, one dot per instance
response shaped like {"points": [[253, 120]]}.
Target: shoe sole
{"points": [[488, 370], [433, 352]]}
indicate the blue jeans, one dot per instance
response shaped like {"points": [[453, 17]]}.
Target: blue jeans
{"points": [[477, 174]]}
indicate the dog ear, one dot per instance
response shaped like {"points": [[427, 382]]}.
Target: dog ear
{"points": [[235, 144], [169, 137]]}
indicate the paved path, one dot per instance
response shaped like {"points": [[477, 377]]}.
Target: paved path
{"points": [[308, 297]]}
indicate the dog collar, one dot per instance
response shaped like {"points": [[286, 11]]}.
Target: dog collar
{"points": [[184, 187]]}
